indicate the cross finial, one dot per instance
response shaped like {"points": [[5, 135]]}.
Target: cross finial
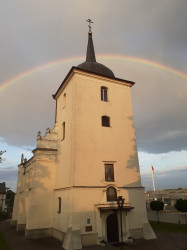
{"points": [[89, 25]]}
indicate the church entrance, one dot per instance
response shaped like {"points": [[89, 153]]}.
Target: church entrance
{"points": [[112, 228]]}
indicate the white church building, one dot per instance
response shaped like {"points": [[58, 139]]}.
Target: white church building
{"points": [[69, 188]]}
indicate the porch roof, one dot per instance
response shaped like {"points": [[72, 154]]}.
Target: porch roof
{"points": [[113, 206]]}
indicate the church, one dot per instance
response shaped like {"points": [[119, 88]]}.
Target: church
{"points": [[69, 188]]}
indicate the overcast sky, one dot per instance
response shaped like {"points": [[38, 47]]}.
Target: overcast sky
{"points": [[126, 34]]}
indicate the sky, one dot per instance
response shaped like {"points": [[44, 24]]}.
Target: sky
{"points": [[142, 41]]}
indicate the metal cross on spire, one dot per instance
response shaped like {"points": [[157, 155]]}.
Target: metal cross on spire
{"points": [[89, 25]]}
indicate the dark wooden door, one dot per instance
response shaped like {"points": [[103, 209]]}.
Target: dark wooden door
{"points": [[112, 228]]}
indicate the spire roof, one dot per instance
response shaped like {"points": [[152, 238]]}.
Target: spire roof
{"points": [[90, 64], [90, 55]]}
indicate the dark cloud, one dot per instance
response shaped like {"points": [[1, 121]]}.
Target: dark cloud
{"points": [[159, 99], [159, 111], [32, 34]]}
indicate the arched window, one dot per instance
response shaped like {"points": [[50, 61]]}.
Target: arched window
{"points": [[111, 194], [104, 94], [105, 121], [59, 204]]}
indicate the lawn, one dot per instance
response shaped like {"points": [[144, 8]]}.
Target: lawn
{"points": [[3, 244], [168, 227]]}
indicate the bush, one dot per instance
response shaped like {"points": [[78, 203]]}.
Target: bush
{"points": [[157, 206], [181, 205], [10, 200], [3, 215]]}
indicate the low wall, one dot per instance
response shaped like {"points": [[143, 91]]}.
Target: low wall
{"points": [[170, 217]]}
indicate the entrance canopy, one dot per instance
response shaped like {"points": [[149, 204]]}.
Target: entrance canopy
{"points": [[113, 206]]}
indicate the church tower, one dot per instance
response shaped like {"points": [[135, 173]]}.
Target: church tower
{"points": [[91, 160]]}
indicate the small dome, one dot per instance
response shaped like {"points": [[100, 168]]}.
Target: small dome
{"points": [[96, 67], [90, 64]]}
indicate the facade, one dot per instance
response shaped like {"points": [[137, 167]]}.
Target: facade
{"points": [[68, 189], [2, 196]]}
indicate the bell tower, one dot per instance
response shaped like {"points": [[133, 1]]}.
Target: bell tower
{"points": [[97, 155], [69, 188]]}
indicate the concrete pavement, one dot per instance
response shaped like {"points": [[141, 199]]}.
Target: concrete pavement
{"points": [[17, 241]]}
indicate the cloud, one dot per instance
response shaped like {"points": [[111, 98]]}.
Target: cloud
{"points": [[159, 99], [166, 179], [161, 162], [174, 134], [9, 176], [158, 105]]}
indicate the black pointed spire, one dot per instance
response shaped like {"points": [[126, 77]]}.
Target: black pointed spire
{"points": [[90, 64], [90, 55]]}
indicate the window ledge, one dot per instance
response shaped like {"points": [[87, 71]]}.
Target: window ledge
{"points": [[109, 182]]}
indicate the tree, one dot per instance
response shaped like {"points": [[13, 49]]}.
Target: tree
{"points": [[181, 205], [1, 159], [157, 206], [10, 200]]}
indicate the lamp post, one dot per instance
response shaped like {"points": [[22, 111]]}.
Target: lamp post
{"points": [[120, 202]]}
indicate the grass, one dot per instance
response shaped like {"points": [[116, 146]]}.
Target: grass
{"points": [[3, 243], [168, 227]]}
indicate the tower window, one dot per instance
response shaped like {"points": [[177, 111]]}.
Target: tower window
{"points": [[104, 94], [111, 194], [63, 130], [105, 121], [64, 101], [88, 228], [59, 204], [109, 172]]}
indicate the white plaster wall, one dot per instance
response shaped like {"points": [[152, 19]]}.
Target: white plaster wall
{"points": [[138, 215], [23, 208], [65, 147], [84, 201], [94, 143], [62, 219], [87, 145], [40, 212], [79, 164], [17, 196], [87, 200]]}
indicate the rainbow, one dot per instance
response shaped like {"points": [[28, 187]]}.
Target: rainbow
{"points": [[145, 62], [82, 58]]}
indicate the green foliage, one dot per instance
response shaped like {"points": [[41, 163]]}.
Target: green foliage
{"points": [[3, 243], [1, 152], [157, 205], [3, 215], [103, 242], [168, 227], [10, 199], [181, 205]]}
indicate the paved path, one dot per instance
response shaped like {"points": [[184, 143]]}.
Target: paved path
{"points": [[17, 241]]}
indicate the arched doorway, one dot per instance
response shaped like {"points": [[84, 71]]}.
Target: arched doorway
{"points": [[112, 228]]}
